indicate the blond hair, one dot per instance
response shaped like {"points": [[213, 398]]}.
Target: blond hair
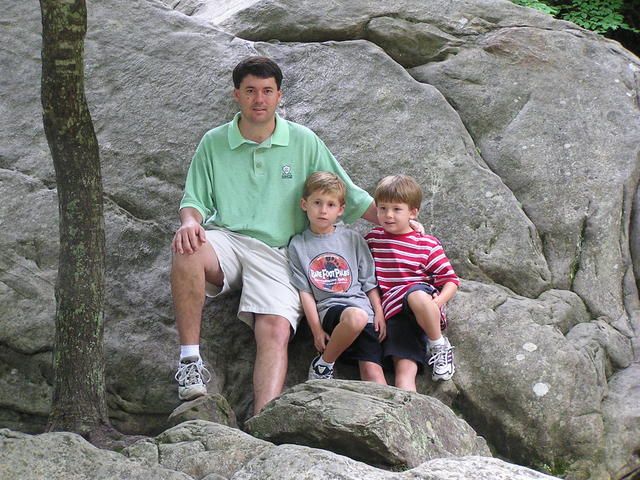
{"points": [[399, 189], [325, 182]]}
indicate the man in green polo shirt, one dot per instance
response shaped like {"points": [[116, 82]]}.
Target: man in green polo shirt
{"points": [[239, 211]]}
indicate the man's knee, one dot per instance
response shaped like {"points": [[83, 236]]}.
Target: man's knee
{"points": [[272, 329], [204, 261]]}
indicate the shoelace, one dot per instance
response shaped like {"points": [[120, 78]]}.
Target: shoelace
{"points": [[192, 373], [439, 359]]}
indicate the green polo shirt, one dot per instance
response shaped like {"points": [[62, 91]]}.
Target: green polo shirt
{"points": [[255, 189]]}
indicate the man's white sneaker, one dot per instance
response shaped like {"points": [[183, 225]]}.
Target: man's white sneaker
{"points": [[192, 377], [440, 357]]}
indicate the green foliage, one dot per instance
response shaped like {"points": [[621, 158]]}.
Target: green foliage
{"points": [[600, 16], [537, 5], [558, 468]]}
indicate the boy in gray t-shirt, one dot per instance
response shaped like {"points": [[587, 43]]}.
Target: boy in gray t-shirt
{"points": [[334, 273]]}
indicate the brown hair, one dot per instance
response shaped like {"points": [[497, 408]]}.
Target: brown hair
{"points": [[325, 182], [399, 189]]}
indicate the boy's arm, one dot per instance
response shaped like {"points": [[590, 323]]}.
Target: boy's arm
{"points": [[320, 337], [448, 291], [379, 323]]}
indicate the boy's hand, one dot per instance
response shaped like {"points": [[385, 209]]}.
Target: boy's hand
{"points": [[320, 341], [380, 326], [417, 226]]}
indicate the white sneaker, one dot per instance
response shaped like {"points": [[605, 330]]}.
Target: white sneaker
{"points": [[192, 377], [319, 372], [441, 358]]}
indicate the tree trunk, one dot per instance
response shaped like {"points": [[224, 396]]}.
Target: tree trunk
{"points": [[79, 399]]}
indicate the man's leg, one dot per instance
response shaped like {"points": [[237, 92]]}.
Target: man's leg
{"points": [[188, 275], [272, 334]]}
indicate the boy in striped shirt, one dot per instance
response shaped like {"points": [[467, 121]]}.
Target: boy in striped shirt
{"points": [[416, 281]]}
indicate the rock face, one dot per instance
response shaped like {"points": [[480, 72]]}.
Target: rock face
{"points": [[523, 131], [208, 451], [394, 428], [67, 456]]}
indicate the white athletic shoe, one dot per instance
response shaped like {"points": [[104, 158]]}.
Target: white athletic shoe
{"points": [[441, 358], [192, 377], [319, 372]]}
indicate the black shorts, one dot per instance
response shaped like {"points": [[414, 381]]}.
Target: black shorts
{"points": [[405, 339], [365, 348]]}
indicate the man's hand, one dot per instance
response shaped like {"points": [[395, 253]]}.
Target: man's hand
{"points": [[189, 237], [417, 226]]}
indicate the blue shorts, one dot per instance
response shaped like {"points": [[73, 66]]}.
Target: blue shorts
{"points": [[405, 338], [365, 348]]}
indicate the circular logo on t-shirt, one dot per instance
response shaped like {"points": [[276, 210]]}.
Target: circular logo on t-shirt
{"points": [[330, 272]]}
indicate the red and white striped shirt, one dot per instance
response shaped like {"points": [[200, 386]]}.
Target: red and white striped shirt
{"points": [[406, 260]]}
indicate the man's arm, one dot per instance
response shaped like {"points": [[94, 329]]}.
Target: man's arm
{"points": [[371, 214], [190, 236]]}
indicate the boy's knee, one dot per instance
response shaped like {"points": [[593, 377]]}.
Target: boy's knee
{"points": [[355, 318], [419, 298]]}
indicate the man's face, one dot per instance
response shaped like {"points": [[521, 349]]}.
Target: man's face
{"points": [[258, 99]]}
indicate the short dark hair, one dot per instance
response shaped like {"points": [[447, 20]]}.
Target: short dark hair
{"points": [[261, 67]]}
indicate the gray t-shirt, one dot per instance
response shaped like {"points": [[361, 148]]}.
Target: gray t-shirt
{"points": [[337, 268]]}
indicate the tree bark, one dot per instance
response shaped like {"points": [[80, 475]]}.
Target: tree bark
{"points": [[79, 398]]}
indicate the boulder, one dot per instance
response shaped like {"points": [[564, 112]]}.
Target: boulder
{"points": [[67, 456], [200, 448], [211, 407], [513, 366], [293, 462], [375, 424]]}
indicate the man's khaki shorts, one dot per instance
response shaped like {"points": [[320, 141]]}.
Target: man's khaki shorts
{"points": [[262, 274]]}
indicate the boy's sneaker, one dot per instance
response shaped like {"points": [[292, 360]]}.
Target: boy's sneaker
{"points": [[441, 358], [192, 377], [319, 372]]}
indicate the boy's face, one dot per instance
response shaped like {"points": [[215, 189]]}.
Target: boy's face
{"points": [[323, 209], [394, 217], [258, 99]]}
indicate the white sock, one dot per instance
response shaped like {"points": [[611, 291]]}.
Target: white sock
{"points": [[439, 341], [189, 351], [322, 361]]}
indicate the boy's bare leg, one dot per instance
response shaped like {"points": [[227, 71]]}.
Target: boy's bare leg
{"points": [[427, 313], [371, 372], [352, 322], [188, 274], [406, 371], [272, 340]]}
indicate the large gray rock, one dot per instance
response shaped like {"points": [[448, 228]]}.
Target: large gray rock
{"points": [[621, 412], [67, 456], [523, 131], [293, 462], [376, 424], [514, 366], [200, 448], [210, 407]]}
